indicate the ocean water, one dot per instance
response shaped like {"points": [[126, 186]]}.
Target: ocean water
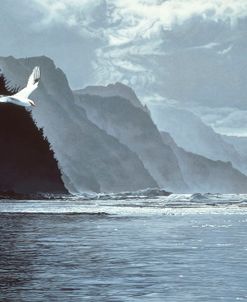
{"points": [[175, 248]]}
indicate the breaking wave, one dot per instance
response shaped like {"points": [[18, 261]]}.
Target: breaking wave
{"points": [[141, 203]]}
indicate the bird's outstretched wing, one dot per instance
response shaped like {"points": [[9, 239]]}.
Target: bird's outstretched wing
{"points": [[32, 84]]}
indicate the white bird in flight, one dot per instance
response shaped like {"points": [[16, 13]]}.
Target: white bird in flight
{"points": [[21, 98]]}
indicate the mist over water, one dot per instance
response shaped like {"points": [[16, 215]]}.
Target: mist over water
{"points": [[177, 248]]}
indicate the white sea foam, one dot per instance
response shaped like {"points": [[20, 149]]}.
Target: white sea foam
{"points": [[175, 204]]}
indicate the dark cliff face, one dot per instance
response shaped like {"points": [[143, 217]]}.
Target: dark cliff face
{"points": [[27, 164]]}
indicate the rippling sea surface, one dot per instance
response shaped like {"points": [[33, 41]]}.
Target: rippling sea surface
{"points": [[175, 248]]}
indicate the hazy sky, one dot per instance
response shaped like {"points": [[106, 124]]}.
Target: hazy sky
{"points": [[189, 53]]}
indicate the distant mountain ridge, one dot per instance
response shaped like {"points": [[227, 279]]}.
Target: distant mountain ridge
{"points": [[111, 90], [205, 175], [190, 133]]}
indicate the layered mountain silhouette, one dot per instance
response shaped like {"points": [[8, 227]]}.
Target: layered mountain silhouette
{"points": [[193, 135], [206, 175], [177, 167], [27, 163], [105, 140], [133, 127], [90, 159]]}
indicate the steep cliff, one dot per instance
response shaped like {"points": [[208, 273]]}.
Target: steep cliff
{"points": [[133, 127]]}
